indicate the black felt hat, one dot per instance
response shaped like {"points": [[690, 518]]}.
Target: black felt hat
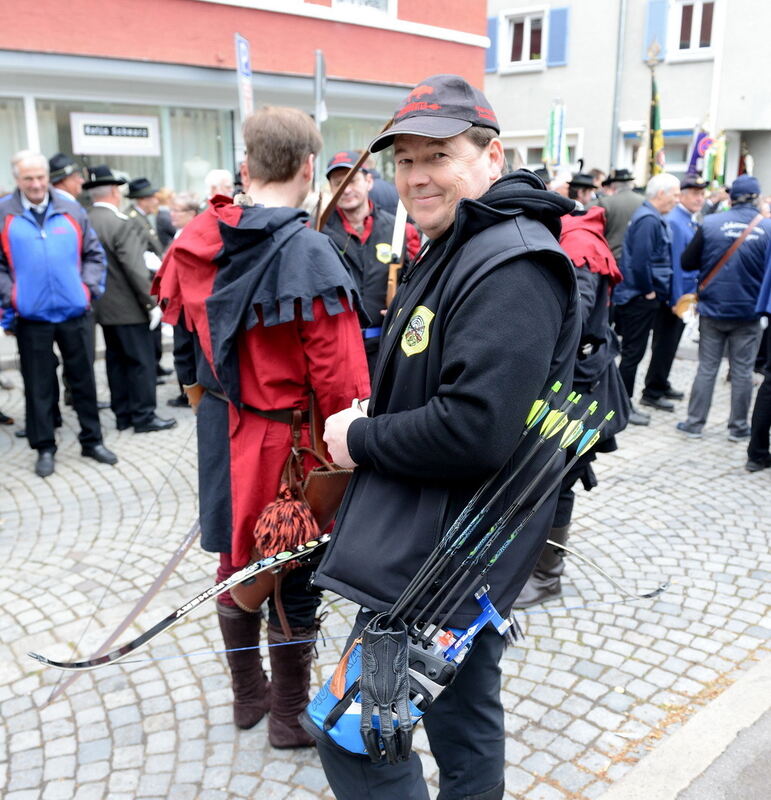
{"points": [[60, 166], [101, 175], [439, 107], [582, 180], [140, 187], [692, 181], [620, 176]]}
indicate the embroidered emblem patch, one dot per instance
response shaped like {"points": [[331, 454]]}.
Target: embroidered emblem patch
{"points": [[383, 252], [416, 334]]}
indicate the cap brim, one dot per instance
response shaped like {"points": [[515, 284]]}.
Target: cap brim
{"points": [[331, 169], [113, 182], [431, 127]]}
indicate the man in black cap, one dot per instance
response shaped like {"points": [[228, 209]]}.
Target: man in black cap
{"points": [[66, 176], [126, 311], [363, 233], [619, 208], [482, 324], [51, 268], [142, 213]]}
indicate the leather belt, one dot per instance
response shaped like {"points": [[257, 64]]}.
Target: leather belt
{"points": [[284, 415]]}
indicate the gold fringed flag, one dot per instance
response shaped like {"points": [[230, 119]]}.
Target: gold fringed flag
{"points": [[656, 152]]}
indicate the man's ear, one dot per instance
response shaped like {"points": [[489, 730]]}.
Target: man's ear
{"points": [[497, 159], [370, 181], [308, 167]]}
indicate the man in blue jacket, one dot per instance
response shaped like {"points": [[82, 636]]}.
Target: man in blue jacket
{"points": [[727, 306], [668, 327], [51, 267], [646, 263], [758, 455]]}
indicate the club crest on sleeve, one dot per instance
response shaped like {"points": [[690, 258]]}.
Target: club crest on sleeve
{"points": [[383, 252], [416, 333]]}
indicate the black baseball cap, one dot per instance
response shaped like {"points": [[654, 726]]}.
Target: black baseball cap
{"points": [[345, 159], [439, 107]]}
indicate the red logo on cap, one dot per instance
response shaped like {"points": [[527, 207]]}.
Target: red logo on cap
{"points": [[341, 158], [410, 107], [421, 90], [486, 113]]}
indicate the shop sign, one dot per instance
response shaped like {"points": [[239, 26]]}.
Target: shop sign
{"points": [[115, 134]]}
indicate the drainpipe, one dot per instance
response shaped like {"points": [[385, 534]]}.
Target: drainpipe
{"points": [[617, 83]]}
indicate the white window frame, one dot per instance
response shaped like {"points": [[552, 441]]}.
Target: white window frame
{"points": [[522, 140], [674, 22], [390, 10], [506, 20]]}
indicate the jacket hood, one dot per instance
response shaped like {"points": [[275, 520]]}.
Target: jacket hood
{"points": [[519, 192]]}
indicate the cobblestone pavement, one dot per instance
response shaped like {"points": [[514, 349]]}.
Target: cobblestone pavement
{"points": [[596, 683]]}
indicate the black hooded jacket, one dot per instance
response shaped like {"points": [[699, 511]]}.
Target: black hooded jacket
{"points": [[479, 329]]}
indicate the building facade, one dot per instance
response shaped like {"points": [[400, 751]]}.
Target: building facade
{"points": [[150, 86], [592, 56]]}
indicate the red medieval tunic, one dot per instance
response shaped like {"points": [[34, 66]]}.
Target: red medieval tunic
{"points": [[271, 309]]}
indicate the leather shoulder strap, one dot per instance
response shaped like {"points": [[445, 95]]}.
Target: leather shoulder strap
{"points": [[731, 250]]}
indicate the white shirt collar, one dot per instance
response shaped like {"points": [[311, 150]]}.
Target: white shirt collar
{"points": [[67, 195], [39, 207], [102, 204]]}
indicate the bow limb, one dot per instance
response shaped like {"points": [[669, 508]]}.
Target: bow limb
{"points": [[645, 596], [207, 594], [139, 606]]}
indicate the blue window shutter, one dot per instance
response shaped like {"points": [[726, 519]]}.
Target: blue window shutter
{"points": [[656, 27], [557, 53], [491, 59]]}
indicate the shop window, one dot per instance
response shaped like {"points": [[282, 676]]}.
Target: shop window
{"points": [[13, 137], [385, 6]]}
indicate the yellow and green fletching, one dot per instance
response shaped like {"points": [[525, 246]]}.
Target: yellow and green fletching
{"points": [[556, 420], [571, 433], [537, 412], [593, 434]]}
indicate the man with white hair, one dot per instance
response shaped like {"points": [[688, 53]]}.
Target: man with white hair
{"points": [[646, 263], [219, 182], [51, 268]]}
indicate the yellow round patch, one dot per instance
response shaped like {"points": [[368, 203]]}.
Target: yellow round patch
{"points": [[416, 333], [383, 252]]}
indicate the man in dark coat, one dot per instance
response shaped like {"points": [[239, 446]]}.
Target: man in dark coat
{"points": [[363, 233], [143, 212], [646, 265], [126, 310], [619, 207], [481, 325], [728, 317], [51, 266]]}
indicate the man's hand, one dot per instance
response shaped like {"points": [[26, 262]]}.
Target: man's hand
{"points": [[155, 317], [650, 296], [336, 434]]}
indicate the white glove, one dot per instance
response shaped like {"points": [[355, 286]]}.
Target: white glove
{"points": [[155, 317], [152, 262]]}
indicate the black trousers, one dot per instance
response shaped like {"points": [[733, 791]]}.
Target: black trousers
{"points": [[465, 728], [41, 387], [667, 331], [634, 321], [130, 364], [758, 448]]}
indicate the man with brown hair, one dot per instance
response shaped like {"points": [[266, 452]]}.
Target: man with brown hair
{"points": [[272, 319]]}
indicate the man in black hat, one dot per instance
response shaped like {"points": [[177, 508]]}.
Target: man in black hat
{"points": [[126, 311], [47, 242], [66, 176], [581, 188], [483, 323], [142, 212], [619, 208], [363, 233]]}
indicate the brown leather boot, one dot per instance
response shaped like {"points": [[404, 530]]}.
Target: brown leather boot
{"points": [[290, 674], [544, 582], [251, 690]]}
